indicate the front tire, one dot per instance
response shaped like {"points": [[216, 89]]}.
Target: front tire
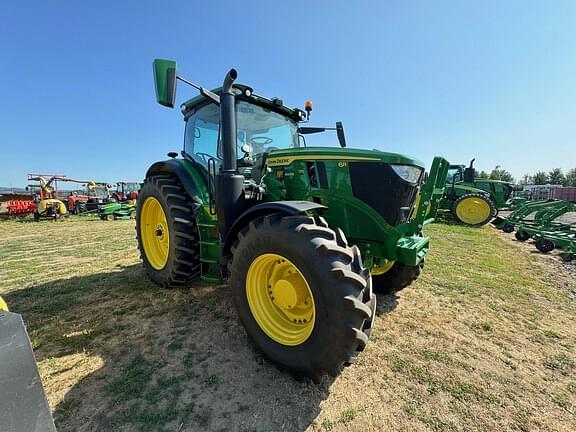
{"points": [[167, 234], [311, 309], [397, 278]]}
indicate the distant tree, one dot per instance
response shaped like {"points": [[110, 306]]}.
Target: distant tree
{"points": [[501, 174], [556, 176], [540, 178], [570, 178], [483, 174], [525, 180]]}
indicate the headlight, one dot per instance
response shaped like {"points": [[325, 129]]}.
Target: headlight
{"points": [[408, 173]]}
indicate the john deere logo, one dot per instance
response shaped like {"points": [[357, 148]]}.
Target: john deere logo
{"points": [[279, 161], [341, 164]]}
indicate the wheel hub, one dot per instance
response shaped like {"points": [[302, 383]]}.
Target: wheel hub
{"points": [[160, 231], [286, 294]]}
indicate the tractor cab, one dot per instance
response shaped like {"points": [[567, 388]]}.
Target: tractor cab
{"points": [[126, 191], [262, 126]]}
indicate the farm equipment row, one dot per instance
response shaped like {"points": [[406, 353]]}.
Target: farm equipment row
{"points": [[541, 222], [44, 201]]}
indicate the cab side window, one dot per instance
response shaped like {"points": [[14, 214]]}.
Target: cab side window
{"points": [[201, 134]]}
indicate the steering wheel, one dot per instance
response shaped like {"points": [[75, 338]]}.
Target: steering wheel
{"points": [[262, 140], [205, 156]]}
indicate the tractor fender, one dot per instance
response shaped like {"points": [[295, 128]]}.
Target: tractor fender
{"points": [[290, 208], [174, 166]]}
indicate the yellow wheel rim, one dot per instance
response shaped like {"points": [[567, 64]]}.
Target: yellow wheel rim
{"points": [[381, 269], [280, 299], [3, 305], [473, 210], [154, 233]]}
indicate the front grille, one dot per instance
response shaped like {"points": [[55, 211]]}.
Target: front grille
{"points": [[380, 187]]}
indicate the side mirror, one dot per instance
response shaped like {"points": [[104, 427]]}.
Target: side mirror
{"points": [[165, 81], [340, 134]]}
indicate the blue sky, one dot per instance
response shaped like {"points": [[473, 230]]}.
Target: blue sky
{"points": [[495, 80]]}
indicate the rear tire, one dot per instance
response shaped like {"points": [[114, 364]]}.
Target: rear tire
{"points": [[339, 285], [397, 278], [182, 264], [522, 236], [473, 210]]}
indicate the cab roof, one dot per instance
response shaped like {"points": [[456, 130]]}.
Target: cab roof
{"points": [[274, 104]]}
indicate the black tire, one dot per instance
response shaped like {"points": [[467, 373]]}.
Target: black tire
{"points": [[474, 196], [508, 228], [567, 257], [522, 236], [340, 286], [397, 278], [183, 264], [545, 245]]}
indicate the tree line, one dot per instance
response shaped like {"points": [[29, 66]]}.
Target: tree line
{"points": [[556, 176]]}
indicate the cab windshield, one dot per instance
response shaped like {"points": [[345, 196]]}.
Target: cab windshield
{"points": [[260, 130], [454, 174]]}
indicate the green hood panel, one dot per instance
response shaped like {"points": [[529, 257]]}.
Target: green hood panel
{"points": [[287, 156], [468, 190]]}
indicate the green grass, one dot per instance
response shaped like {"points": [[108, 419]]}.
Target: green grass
{"points": [[484, 340]]}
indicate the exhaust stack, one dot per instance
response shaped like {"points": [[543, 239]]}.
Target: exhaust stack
{"points": [[229, 193]]}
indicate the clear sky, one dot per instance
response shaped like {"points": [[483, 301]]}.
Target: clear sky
{"points": [[495, 80]]}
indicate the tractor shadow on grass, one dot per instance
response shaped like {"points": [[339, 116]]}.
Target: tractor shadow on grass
{"points": [[386, 303], [127, 355]]}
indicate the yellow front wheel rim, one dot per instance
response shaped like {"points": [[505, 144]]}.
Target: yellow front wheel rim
{"points": [[3, 305], [280, 299], [154, 233], [381, 269], [473, 210]]}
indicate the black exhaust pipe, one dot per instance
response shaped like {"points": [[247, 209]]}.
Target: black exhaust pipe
{"points": [[229, 193], [228, 122]]}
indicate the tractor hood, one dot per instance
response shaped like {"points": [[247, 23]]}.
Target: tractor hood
{"points": [[478, 179], [470, 189], [287, 156]]}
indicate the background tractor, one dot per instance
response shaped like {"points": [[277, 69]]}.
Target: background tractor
{"points": [[296, 231], [88, 200], [126, 191], [473, 201]]}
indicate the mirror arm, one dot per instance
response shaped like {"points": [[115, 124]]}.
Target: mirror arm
{"points": [[204, 92], [312, 130]]}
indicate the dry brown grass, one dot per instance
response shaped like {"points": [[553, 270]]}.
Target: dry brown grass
{"points": [[485, 340]]}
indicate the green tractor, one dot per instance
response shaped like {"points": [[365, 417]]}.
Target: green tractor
{"points": [[302, 235], [473, 201]]}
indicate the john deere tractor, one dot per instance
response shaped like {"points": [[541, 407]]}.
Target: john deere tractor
{"points": [[474, 201], [297, 232]]}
